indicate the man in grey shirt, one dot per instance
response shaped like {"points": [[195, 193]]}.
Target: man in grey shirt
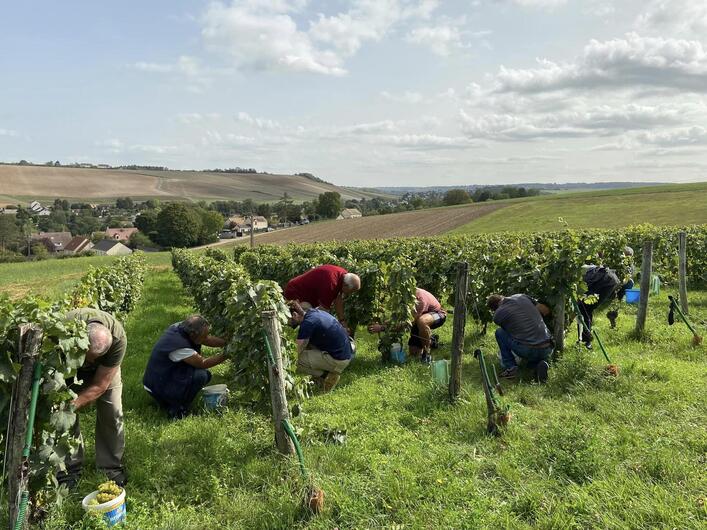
{"points": [[522, 332]]}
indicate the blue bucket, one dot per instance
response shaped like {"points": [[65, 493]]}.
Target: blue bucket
{"points": [[633, 296], [397, 354], [215, 396]]}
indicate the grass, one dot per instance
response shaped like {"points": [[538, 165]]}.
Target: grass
{"points": [[585, 451], [53, 277], [659, 205]]}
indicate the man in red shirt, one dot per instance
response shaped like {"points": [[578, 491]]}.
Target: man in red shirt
{"points": [[321, 286], [429, 315]]}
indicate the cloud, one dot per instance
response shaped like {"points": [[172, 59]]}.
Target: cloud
{"points": [[265, 36], [9, 132], [185, 65], [115, 145], [153, 149], [430, 141], [442, 39], [215, 138], [696, 135], [679, 17], [258, 123], [196, 117], [547, 4], [630, 62], [599, 9], [577, 122], [406, 97], [256, 38], [368, 128]]}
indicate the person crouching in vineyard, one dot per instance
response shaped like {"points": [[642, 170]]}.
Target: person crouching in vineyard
{"points": [[603, 286], [522, 332], [99, 380], [429, 315], [176, 371], [322, 286], [324, 346]]}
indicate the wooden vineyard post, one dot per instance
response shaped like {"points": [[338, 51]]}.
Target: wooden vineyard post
{"points": [[276, 375], [682, 270], [460, 294], [646, 269], [558, 314], [29, 343], [252, 230]]}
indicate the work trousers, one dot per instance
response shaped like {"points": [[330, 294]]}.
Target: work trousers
{"points": [[110, 432], [315, 362], [509, 346]]}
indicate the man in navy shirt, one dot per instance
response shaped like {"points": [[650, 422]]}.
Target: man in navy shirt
{"points": [[323, 345]]}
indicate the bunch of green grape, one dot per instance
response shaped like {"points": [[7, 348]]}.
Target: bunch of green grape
{"points": [[107, 492]]}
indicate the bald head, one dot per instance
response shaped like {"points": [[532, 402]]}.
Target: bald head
{"points": [[100, 339], [352, 283]]}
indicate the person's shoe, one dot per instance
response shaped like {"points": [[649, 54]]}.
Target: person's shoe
{"points": [[426, 358], [330, 381], [119, 477], [509, 373], [178, 413], [541, 372], [434, 341], [612, 316], [68, 479]]}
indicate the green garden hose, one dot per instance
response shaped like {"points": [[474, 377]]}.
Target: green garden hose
{"points": [[267, 344], [291, 433], [24, 499], [682, 315]]}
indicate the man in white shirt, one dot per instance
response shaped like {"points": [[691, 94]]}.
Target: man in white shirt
{"points": [[176, 370]]}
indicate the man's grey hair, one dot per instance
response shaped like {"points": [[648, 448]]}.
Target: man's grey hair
{"points": [[195, 325], [100, 339], [352, 281]]}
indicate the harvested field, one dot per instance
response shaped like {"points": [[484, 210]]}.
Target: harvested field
{"points": [[47, 183], [407, 224]]}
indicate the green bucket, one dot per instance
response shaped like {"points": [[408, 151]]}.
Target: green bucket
{"points": [[440, 372]]}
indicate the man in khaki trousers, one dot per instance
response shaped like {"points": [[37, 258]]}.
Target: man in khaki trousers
{"points": [[323, 345], [99, 380]]}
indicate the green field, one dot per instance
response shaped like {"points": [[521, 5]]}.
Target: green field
{"points": [[585, 451], [676, 204], [53, 277]]}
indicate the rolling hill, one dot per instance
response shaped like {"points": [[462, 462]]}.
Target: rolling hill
{"points": [[674, 204], [22, 183]]}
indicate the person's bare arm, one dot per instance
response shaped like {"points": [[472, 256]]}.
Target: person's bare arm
{"points": [[544, 310], [301, 345], [339, 306], [197, 361], [100, 383], [214, 342]]}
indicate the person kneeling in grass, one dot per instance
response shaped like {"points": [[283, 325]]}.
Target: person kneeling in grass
{"points": [[176, 371], [522, 332], [429, 315], [323, 345]]}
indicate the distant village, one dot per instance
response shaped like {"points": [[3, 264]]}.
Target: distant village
{"points": [[64, 229]]}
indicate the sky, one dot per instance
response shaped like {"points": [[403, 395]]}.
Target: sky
{"points": [[362, 92]]}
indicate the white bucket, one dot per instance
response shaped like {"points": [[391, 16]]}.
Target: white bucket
{"points": [[113, 511], [215, 396]]}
